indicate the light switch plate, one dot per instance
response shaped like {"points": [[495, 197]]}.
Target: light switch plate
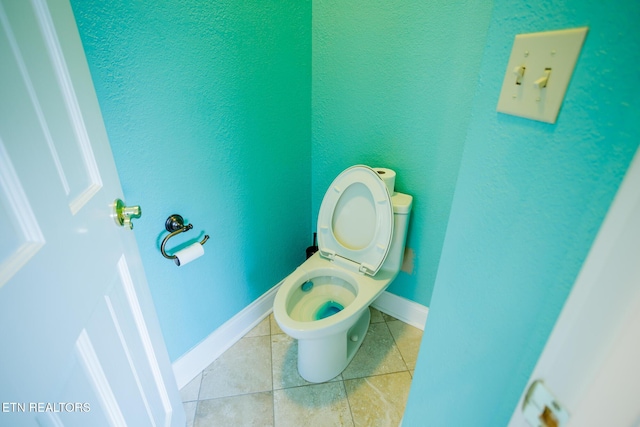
{"points": [[534, 56]]}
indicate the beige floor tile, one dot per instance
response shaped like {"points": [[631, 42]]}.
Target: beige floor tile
{"points": [[284, 353], [319, 405], [190, 392], [379, 400], [247, 410], [377, 355], [275, 328], [256, 382], [190, 412], [284, 359], [244, 368], [376, 315], [262, 328], [407, 339]]}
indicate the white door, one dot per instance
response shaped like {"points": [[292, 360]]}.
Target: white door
{"points": [[80, 344], [591, 362]]}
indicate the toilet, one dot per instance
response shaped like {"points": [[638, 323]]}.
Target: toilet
{"points": [[324, 303]]}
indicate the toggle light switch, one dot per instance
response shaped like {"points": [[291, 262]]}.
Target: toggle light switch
{"points": [[541, 83], [542, 64], [519, 72]]}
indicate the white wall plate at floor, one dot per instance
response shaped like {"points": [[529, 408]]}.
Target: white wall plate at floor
{"points": [[538, 73]]}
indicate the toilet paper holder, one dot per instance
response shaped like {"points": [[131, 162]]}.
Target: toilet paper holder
{"points": [[175, 225]]}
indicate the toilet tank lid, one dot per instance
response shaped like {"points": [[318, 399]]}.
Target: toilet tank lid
{"points": [[402, 203]]}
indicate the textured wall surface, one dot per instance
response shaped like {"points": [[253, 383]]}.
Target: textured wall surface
{"points": [[529, 200], [393, 85], [207, 104], [207, 107]]}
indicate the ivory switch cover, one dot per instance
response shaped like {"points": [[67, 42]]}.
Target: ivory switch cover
{"points": [[538, 73]]}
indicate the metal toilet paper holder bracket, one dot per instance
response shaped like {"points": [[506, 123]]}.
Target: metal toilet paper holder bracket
{"points": [[175, 225]]}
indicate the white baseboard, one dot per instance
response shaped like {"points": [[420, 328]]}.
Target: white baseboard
{"points": [[189, 365], [403, 309]]}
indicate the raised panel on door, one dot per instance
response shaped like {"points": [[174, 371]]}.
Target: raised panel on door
{"points": [[20, 233], [40, 61]]}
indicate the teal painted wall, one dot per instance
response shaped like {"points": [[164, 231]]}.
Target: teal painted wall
{"points": [[506, 208], [393, 85], [207, 107], [529, 200]]}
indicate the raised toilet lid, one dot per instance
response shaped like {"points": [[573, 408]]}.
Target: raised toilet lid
{"points": [[355, 221]]}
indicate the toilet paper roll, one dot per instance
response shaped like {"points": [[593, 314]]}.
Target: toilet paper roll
{"points": [[188, 254], [389, 178]]}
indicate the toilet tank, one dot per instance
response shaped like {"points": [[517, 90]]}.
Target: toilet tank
{"points": [[401, 210]]}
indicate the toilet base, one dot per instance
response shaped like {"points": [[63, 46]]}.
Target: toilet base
{"points": [[320, 360]]}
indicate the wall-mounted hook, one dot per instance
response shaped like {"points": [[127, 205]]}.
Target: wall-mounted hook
{"points": [[175, 225]]}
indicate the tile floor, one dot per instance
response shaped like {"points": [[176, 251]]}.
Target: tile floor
{"points": [[256, 382]]}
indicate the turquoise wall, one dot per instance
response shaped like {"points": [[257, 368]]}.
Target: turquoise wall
{"points": [[529, 200], [207, 107], [206, 104], [393, 85]]}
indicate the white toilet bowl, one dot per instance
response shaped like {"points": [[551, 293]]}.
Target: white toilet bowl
{"points": [[324, 303]]}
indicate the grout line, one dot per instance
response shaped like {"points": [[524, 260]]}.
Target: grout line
{"points": [[195, 414], [273, 385], [346, 396], [235, 395], [395, 342], [273, 397], [271, 334], [201, 374]]}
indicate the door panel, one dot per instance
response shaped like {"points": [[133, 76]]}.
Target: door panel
{"points": [[79, 326]]}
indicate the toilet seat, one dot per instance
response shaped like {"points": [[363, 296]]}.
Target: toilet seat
{"points": [[355, 222]]}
